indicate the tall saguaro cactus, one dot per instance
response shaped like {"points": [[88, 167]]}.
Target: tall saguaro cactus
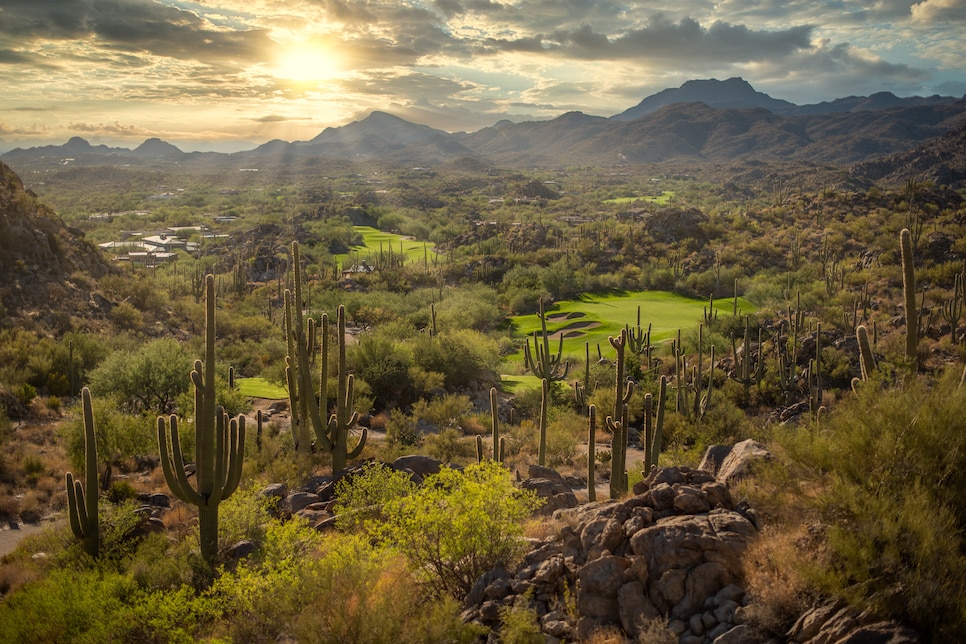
{"points": [[909, 299], [540, 361], [654, 427], [308, 409], [219, 443], [81, 508], [617, 424], [499, 442]]}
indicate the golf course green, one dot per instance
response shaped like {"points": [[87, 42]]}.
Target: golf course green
{"points": [[596, 317]]}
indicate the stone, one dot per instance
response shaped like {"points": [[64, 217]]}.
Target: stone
{"points": [[599, 536], [735, 635], [299, 500], [634, 608], [741, 460], [422, 465], [241, 550], [662, 496], [703, 582], [690, 500], [668, 590], [713, 457]]}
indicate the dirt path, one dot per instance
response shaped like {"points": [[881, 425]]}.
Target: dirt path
{"points": [[10, 538]]}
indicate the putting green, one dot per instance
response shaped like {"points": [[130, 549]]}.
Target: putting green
{"points": [[260, 388], [374, 241], [663, 199], [594, 318]]}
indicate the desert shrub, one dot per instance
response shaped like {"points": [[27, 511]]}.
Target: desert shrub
{"points": [[384, 365], [463, 356], [896, 515], [26, 393], [458, 525], [519, 623], [443, 411], [68, 605], [119, 436], [449, 446], [149, 378], [355, 593], [401, 429], [244, 515], [361, 497]]}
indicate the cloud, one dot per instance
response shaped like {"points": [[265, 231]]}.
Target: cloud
{"points": [[114, 128], [279, 118], [838, 70], [683, 42], [142, 26], [938, 12]]}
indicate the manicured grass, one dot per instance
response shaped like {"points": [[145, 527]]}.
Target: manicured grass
{"points": [[260, 388], [663, 199], [594, 318], [375, 240]]}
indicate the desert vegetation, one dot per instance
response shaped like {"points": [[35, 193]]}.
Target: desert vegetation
{"points": [[484, 323]]}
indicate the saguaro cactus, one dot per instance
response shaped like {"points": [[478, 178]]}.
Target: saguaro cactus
{"points": [[499, 442], [866, 358], [219, 443], [544, 405], [592, 453], [82, 508], [308, 409], [909, 299], [618, 454], [539, 360], [654, 427]]}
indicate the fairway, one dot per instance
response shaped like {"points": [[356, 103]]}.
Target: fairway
{"points": [[260, 388], [663, 199], [594, 318], [375, 240]]}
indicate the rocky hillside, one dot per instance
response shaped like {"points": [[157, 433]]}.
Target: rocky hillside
{"points": [[941, 160], [41, 259]]}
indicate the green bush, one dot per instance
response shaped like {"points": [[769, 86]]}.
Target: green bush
{"points": [[449, 446], [893, 466], [458, 525], [119, 436], [361, 498]]}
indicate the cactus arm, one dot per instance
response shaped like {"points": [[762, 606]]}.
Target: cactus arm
{"points": [[357, 450], [172, 464], [76, 507], [237, 456]]}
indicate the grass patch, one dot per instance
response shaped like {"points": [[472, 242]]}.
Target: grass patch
{"points": [[596, 317], [662, 199], [260, 388], [375, 240]]}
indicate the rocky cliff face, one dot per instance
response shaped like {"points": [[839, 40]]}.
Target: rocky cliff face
{"points": [[38, 254]]}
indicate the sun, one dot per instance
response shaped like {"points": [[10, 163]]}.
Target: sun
{"points": [[307, 62]]}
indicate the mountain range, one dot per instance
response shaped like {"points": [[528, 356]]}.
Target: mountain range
{"points": [[701, 121]]}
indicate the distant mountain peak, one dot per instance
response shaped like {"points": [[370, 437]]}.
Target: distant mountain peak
{"points": [[156, 147], [734, 92]]}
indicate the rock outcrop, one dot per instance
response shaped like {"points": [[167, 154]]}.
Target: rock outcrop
{"points": [[673, 550]]}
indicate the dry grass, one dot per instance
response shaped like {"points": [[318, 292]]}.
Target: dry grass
{"points": [[774, 568]]}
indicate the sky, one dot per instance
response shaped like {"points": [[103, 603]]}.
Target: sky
{"points": [[222, 74]]}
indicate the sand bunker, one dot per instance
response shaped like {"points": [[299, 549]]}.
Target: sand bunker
{"points": [[575, 330]]}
